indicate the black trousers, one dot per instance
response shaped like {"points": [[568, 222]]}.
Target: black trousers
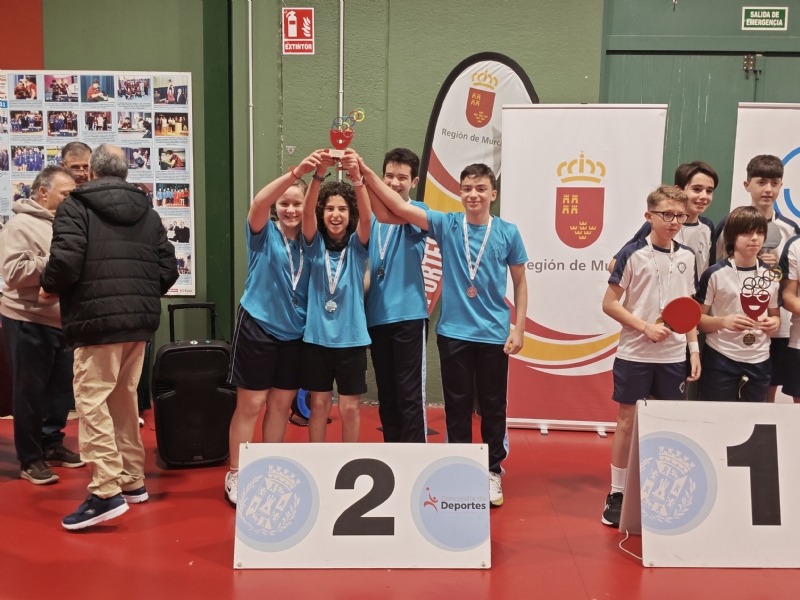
{"points": [[468, 367], [42, 394], [398, 357]]}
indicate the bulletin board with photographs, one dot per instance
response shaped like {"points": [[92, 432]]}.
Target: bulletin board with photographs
{"points": [[148, 115]]}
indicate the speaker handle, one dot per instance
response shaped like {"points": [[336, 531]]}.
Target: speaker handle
{"points": [[210, 306]]}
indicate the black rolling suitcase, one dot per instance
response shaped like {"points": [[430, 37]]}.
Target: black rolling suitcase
{"points": [[192, 402]]}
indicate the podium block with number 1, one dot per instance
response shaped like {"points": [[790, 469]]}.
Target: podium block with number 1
{"points": [[715, 484]]}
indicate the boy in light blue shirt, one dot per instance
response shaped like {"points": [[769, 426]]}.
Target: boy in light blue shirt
{"points": [[473, 331], [397, 308]]}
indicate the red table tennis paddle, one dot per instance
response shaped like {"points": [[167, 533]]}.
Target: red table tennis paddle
{"points": [[682, 315]]}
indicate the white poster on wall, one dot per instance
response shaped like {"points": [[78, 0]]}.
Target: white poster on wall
{"points": [[575, 182], [763, 128], [149, 115]]}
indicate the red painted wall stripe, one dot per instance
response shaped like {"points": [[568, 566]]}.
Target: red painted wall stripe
{"points": [[21, 34]]}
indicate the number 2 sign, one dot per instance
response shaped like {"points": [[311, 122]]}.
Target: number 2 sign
{"points": [[714, 484], [363, 506]]}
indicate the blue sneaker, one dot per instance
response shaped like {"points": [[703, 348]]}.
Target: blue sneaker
{"points": [[136, 496], [95, 510]]}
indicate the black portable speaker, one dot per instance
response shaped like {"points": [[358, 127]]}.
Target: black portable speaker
{"points": [[192, 402]]}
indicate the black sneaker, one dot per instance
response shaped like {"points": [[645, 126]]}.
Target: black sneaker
{"points": [[613, 509], [38, 473], [95, 510], [63, 457], [136, 496]]}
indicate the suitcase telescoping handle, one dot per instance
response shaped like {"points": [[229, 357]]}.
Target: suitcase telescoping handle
{"points": [[206, 305]]}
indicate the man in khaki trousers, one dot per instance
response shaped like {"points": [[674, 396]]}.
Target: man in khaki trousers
{"points": [[110, 263]]}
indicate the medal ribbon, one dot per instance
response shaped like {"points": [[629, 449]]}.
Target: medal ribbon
{"points": [[474, 271], [381, 245], [662, 301], [295, 278], [333, 281]]}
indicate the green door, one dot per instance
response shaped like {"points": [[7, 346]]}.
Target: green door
{"points": [[703, 93]]}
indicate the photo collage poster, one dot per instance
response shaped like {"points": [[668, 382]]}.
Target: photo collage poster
{"points": [[148, 115]]}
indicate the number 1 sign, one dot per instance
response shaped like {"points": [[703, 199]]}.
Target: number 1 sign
{"points": [[714, 484], [363, 506]]}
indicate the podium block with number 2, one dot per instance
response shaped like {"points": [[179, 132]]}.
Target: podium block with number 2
{"points": [[363, 506]]}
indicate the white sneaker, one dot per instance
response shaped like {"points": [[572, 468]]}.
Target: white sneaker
{"points": [[495, 490], [232, 487]]}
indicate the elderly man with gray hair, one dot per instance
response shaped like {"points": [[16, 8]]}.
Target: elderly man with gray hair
{"points": [[41, 363], [110, 262]]}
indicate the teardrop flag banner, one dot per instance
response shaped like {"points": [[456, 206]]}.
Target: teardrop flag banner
{"points": [[465, 128]]}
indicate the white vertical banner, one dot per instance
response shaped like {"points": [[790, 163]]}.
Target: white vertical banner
{"points": [[575, 182], [763, 128]]}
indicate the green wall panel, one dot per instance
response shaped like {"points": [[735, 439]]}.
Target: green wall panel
{"points": [[140, 35]]}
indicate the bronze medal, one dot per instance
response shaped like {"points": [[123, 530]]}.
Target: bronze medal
{"points": [[472, 291], [749, 339], [659, 321]]}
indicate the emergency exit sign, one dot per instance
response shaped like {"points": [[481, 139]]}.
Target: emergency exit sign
{"points": [[764, 18], [298, 30]]}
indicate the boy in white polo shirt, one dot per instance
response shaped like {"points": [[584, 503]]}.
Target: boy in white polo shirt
{"points": [[478, 252], [739, 297], [649, 273], [764, 182]]}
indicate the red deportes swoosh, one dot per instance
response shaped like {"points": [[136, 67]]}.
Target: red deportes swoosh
{"points": [[442, 175], [431, 501], [534, 328]]}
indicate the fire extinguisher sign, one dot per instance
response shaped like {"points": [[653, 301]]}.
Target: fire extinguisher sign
{"points": [[298, 30]]}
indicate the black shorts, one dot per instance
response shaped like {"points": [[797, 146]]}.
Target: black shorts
{"points": [[731, 381], [638, 381], [347, 366], [781, 362], [260, 361], [791, 383]]}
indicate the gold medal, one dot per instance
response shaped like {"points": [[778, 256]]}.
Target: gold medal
{"points": [[659, 321], [749, 338]]}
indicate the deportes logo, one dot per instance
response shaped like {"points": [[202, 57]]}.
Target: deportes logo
{"points": [[450, 504], [277, 506], [679, 483]]}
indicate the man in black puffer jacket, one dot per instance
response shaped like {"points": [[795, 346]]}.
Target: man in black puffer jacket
{"points": [[110, 262]]}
